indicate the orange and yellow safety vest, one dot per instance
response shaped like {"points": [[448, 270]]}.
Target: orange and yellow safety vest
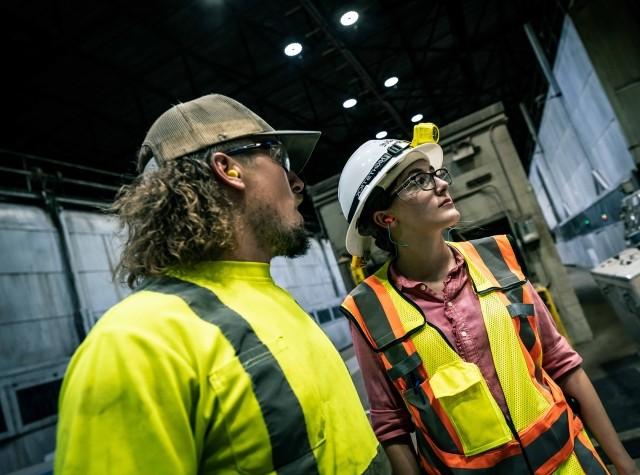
{"points": [[460, 427]]}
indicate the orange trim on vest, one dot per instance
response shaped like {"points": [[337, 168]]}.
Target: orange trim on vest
{"points": [[470, 250], [389, 309], [517, 325], [532, 357], [424, 464], [485, 460], [392, 316], [479, 461], [550, 421], [536, 350], [582, 435], [527, 436], [509, 256], [350, 304], [398, 330], [575, 427], [355, 312]]}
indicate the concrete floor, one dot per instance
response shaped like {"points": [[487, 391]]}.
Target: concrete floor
{"points": [[612, 361], [611, 341]]}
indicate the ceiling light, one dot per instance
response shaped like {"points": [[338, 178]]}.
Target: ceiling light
{"points": [[417, 118], [392, 81], [349, 103], [293, 49], [349, 18], [382, 134]]}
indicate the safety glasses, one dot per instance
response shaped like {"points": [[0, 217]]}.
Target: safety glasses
{"points": [[275, 149], [421, 181]]}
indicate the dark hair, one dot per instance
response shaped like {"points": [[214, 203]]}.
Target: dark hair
{"points": [[378, 200], [176, 215]]}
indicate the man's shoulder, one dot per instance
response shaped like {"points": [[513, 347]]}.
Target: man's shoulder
{"points": [[144, 304], [150, 315]]}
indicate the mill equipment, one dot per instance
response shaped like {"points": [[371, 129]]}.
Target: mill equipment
{"points": [[619, 276]]}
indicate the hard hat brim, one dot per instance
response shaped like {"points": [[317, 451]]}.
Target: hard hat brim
{"points": [[356, 243]]}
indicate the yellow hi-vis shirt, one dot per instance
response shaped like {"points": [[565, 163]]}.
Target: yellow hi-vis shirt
{"points": [[157, 389]]}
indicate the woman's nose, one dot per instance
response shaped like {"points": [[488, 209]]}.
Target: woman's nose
{"points": [[441, 185]]}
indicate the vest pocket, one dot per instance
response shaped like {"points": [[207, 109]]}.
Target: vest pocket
{"points": [[465, 397]]}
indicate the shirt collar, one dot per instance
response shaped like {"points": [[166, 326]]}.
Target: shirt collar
{"points": [[403, 283], [226, 271]]}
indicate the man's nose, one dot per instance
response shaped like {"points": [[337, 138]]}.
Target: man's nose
{"points": [[295, 182]]}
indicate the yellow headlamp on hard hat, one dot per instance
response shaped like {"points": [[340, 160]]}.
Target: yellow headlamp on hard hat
{"points": [[425, 133]]}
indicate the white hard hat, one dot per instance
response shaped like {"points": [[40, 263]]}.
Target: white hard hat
{"points": [[376, 163]]}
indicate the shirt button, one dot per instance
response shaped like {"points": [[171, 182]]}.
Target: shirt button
{"points": [[463, 333], [449, 304], [423, 287]]}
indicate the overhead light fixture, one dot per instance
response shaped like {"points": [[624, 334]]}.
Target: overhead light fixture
{"points": [[382, 134], [417, 118], [349, 103], [390, 82], [293, 49], [349, 18]]}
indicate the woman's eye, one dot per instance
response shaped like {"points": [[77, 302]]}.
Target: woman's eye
{"points": [[421, 180]]}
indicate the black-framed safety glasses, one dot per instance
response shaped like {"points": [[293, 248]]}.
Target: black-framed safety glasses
{"points": [[424, 181], [276, 150]]}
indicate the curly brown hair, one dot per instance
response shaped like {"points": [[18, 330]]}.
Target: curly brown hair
{"points": [[177, 215]]}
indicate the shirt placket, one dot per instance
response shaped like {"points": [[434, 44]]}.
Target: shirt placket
{"points": [[464, 342]]}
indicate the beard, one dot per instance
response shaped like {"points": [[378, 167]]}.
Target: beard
{"points": [[276, 237]]}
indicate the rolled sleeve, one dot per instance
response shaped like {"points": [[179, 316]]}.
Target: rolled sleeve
{"points": [[558, 357], [389, 416]]}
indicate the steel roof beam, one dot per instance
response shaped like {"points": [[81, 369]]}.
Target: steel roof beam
{"points": [[369, 83]]}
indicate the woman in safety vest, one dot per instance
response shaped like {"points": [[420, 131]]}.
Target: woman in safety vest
{"points": [[452, 339]]}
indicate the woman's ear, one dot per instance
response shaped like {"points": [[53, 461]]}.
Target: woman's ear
{"points": [[227, 170], [383, 219]]}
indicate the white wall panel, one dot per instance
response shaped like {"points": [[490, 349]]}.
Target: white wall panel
{"points": [[579, 133]]}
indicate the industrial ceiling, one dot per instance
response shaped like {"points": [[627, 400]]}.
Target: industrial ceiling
{"points": [[83, 81]]}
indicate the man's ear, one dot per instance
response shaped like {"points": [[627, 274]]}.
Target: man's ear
{"points": [[227, 170]]}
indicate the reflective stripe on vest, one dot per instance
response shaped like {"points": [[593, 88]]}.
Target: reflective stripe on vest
{"points": [[398, 331], [401, 359], [281, 410], [489, 261]]}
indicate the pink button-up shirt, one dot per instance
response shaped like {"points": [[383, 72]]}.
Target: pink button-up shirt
{"points": [[455, 311]]}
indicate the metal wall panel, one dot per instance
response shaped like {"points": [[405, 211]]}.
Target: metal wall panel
{"points": [[609, 30], [36, 313], [95, 244], [536, 179], [587, 250], [579, 136]]}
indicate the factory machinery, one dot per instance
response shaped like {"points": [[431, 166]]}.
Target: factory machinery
{"points": [[619, 276]]}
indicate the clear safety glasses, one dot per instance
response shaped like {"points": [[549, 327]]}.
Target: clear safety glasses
{"points": [[421, 181], [276, 151]]}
